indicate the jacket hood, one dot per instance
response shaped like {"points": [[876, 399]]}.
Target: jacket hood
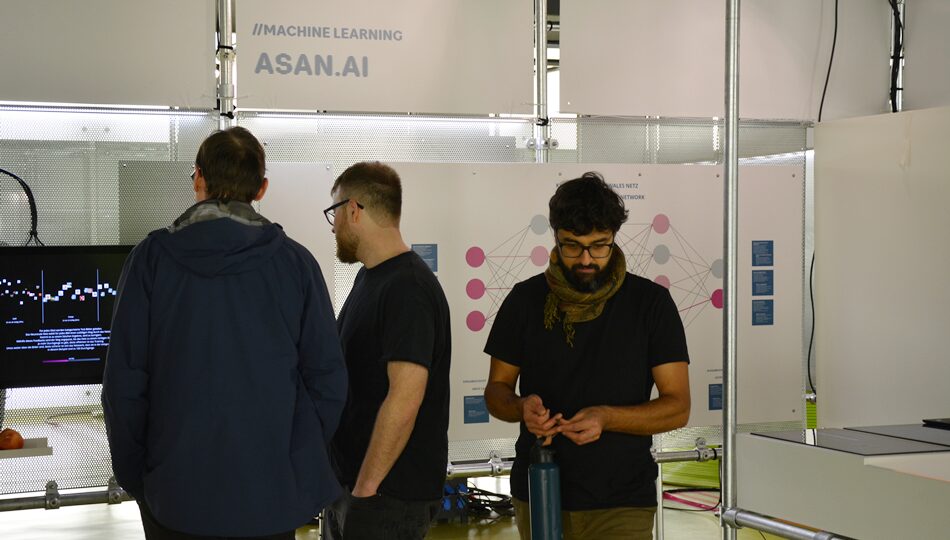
{"points": [[216, 237]]}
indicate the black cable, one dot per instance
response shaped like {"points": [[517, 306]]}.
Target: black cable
{"points": [[482, 502], [811, 340], [834, 42], [897, 53], [32, 201]]}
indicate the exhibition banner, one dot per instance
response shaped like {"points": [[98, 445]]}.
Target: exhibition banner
{"points": [[647, 58], [108, 52], [415, 56]]}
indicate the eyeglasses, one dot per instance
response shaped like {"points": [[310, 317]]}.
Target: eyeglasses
{"points": [[194, 171], [596, 251], [330, 213]]}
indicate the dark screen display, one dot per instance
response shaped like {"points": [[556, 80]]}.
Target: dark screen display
{"points": [[56, 312]]}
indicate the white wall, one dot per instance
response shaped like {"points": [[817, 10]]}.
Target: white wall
{"points": [[882, 189], [926, 51]]}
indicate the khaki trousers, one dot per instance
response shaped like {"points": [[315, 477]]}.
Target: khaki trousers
{"points": [[622, 523]]}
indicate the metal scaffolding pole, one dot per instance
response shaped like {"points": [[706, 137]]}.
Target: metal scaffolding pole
{"points": [[731, 195], [53, 499], [541, 128], [492, 467], [743, 518], [226, 55]]}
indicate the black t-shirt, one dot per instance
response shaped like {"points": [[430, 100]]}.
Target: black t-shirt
{"points": [[396, 311], [609, 364]]}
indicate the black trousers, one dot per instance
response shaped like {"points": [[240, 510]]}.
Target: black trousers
{"points": [[377, 518], [156, 531]]}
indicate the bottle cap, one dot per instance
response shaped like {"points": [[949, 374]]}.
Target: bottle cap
{"points": [[541, 454]]}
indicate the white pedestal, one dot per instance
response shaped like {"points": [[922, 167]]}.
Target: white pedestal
{"points": [[882, 497]]}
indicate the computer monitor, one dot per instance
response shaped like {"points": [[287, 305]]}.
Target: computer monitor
{"points": [[56, 313]]}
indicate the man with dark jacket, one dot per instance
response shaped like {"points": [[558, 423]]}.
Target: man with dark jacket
{"points": [[224, 380]]}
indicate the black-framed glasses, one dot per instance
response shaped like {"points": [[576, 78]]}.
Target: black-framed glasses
{"points": [[330, 213], [596, 251]]}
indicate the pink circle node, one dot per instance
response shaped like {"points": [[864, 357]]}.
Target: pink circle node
{"points": [[662, 280], [475, 289], [475, 321], [475, 257], [716, 299], [661, 223], [540, 256]]}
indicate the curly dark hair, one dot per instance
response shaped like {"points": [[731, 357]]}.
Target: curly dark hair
{"points": [[585, 204]]}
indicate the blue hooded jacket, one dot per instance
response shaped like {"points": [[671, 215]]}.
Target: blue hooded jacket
{"points": [[224, 379]]}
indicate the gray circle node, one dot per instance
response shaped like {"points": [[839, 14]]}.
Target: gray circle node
{"points": [[539, 224], [661, 254]]}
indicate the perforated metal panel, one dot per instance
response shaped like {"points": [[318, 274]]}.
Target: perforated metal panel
{"points": [[99, 177], [71, 159], [481, 450], [671, 141], [345, 140], [75, 432]]}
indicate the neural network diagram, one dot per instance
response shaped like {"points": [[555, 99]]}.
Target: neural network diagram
{"points": [[654, 250], [658, 251]]}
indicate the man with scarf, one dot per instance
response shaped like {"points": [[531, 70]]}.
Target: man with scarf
{"points": [[224, 381], [588, 341]]}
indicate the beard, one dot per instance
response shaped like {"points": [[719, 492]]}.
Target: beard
{"points": [[346, 247], [584, 282]]}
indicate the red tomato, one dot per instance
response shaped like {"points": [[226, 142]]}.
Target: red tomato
{"points": [[10, 440]]}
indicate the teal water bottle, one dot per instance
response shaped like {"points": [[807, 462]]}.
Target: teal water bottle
{"points": [[544, 494]]}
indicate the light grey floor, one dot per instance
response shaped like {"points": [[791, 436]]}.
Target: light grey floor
{"points": [[122, 522]]}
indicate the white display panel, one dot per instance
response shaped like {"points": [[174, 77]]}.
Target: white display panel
{"points": [[295, 199], [926, 79], [881, 342], [639, 58], [486, 228], [422, 56], [112, 52]]}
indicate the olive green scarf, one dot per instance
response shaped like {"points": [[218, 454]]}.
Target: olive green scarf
{"points": [[578, 306]]}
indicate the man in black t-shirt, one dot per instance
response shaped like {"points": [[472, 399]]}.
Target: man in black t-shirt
{"points": [[391, 449], [588, 341]]}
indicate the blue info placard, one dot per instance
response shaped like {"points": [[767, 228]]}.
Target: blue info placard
{"points": [[763, 312], [763, 283], [715, 397], [428, 253], [763, 253], [476, 411]]}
